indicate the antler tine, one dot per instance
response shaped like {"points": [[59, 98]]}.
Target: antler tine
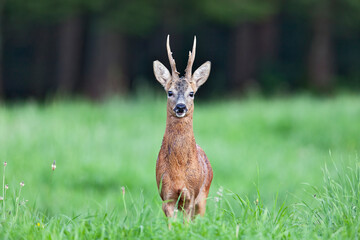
{"points": [[188, 70], [171, 59]]}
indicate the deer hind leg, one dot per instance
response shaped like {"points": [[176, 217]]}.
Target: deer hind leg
{"points": [[188, 204], [169, 208], [190, 210], [201, 207]]}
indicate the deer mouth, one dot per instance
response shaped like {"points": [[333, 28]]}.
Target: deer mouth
{"points": [[180, 115], [180, 110]]}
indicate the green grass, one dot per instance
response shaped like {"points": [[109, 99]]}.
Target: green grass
{"points": [[281, 162]]}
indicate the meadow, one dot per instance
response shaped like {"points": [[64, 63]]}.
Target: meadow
{"points": [[283, 168]]}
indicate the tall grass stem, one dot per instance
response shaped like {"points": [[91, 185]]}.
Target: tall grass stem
{"points": [[124, 202], [18, 200], [4, 214]]}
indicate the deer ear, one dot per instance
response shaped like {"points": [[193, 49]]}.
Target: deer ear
{"points": [[162, 74], [201, 74]]}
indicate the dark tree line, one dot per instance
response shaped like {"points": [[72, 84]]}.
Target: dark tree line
{"points": [[99, 48]]}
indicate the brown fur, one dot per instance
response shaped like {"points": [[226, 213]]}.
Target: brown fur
{"points": [[182, 168], [183, 172]]}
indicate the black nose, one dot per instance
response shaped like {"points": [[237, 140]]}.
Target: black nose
{"points": [[180, 108]]}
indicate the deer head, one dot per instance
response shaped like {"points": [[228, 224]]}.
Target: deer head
{"points": [[181, 90]]}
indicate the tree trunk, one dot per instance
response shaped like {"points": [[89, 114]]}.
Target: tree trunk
{"points": [[41, 64], [320, 66], [243, 58], [268, 39], [2, 5], [70, 45], [105, 72]]}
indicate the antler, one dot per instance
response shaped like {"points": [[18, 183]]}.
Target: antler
{"points": [[188, 70], [171, 59]]}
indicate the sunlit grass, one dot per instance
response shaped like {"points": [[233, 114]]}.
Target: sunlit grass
{"points": [[331, 213], [267, 155]]}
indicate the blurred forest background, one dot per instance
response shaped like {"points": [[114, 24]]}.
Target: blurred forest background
{"points": [[99, 48]]}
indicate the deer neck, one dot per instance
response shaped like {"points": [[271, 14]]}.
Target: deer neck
{"points": [[179, 140]]}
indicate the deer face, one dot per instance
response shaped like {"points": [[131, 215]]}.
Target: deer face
{"points": [[180, 97], [181, 91]]}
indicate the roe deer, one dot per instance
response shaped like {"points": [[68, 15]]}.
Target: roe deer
{"points": [[183, 172]]}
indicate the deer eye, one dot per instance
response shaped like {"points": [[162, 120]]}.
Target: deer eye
{"points": [[191, 94], [170, 93]]}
